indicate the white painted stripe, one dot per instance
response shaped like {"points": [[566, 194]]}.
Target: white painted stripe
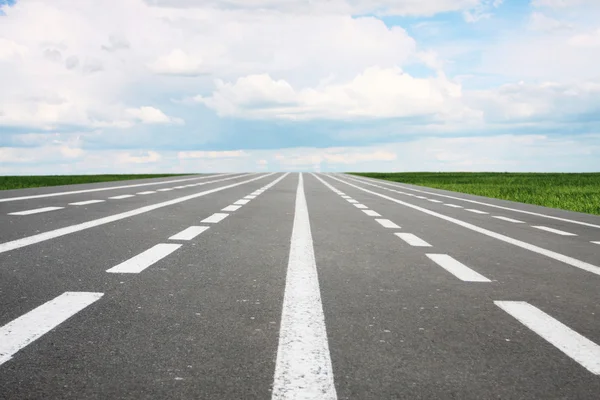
{"points": [[453, 205], [215, 218], [346, 197], [476, 211], [303, 369], [372, 213], [413, 240], [137, 264], [432, 200], [231, 208], [558, 232], [386, 223], [29, 327], [479, 202], [250, 197], [179, 187], [256, 193], [241, 202], [519, 243], [579, 348], [351, 201], [596, 242], [85, 203], [39, 196], [421, 197], [123, 196], [360, 206], [515, 221], [41, 237], [164, 190], [457, 269], [189, 233], [36, 211]]}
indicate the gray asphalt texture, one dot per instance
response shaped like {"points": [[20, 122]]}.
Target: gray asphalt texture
{"points": [[203, 322]]}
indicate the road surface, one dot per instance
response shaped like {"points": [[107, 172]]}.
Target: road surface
{"points": [[294, 286]]}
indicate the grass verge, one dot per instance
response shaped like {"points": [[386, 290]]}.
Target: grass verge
{"points": [[575, 192], [22, 182]]}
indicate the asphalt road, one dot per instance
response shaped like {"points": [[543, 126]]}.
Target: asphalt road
{"points": [[289, 286]]}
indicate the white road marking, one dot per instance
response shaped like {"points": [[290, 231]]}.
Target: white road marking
{"points": [[386, 223], [137, 264], [413, 240], [215, 218], [351, 201], [579, 348], [453, 205], [41, 237], [242, 202], [557, 231], [519, 243], [360, 206], [484, 204], [250, 197], [189, 233], [346, 197], [515, 221], [39, 196], [421, 197], [256, 193], [231, 208], [123, 196], [457, 269], [476, 211], [166, 189], [36, 211], [29, 327], [85, 203], [596, 242], [431, 200], [303, 369], [372, 213], [179, 187]]}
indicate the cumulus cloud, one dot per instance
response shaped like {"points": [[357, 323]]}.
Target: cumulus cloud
{"points": [[151, 115], [180, 63]]}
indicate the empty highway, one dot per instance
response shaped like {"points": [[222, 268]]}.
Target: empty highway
{"points": [[294, 286]]}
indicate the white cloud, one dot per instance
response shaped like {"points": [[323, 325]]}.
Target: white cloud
{"points": [[541, 22], [151, 115], [586, 40], [563, 3], [180, 63], [148, 157], [182, 155]]}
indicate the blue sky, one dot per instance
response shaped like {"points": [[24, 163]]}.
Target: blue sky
{"points": [[259, 85]]}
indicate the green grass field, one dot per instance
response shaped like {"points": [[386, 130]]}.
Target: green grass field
{"points": [[21, 182], [576, 192]]}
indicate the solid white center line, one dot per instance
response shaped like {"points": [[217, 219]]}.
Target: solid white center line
{"points": [[123, 196], [22, 331], [303, 368], [241, 202], [143, 260], [231, 208], [571, 343], [215, 218], [360, 206], [189, 233], [85, 203], [372, 213], [453, 205], [432, 200], [36, 211], [164, 190], [147, 192], [476, 211], [413, 240], [386, 223], [515, 221], [457, 269], [558, 232]]}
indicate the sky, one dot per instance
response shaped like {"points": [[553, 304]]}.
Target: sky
{"points": [[143, 86]]}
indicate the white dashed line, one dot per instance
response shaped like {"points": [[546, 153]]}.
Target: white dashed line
{"points": [[352, 201], [249, 197], [242, 202], [457, 269], [189, 233], [164, 190], [431, 200], [137, 264], [231, 208], [596, 242], [514, 221], [421, 197], [558, 232], [453, 205], [36, 211], [215, 218], [360, 206], [372, 213], [413, 240], [577, 347], [476, 211], [148, 192], [303, 368], [179, 187], [123, 196], [29, 327], [346, 197], [85, 203], [386, 223]]}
